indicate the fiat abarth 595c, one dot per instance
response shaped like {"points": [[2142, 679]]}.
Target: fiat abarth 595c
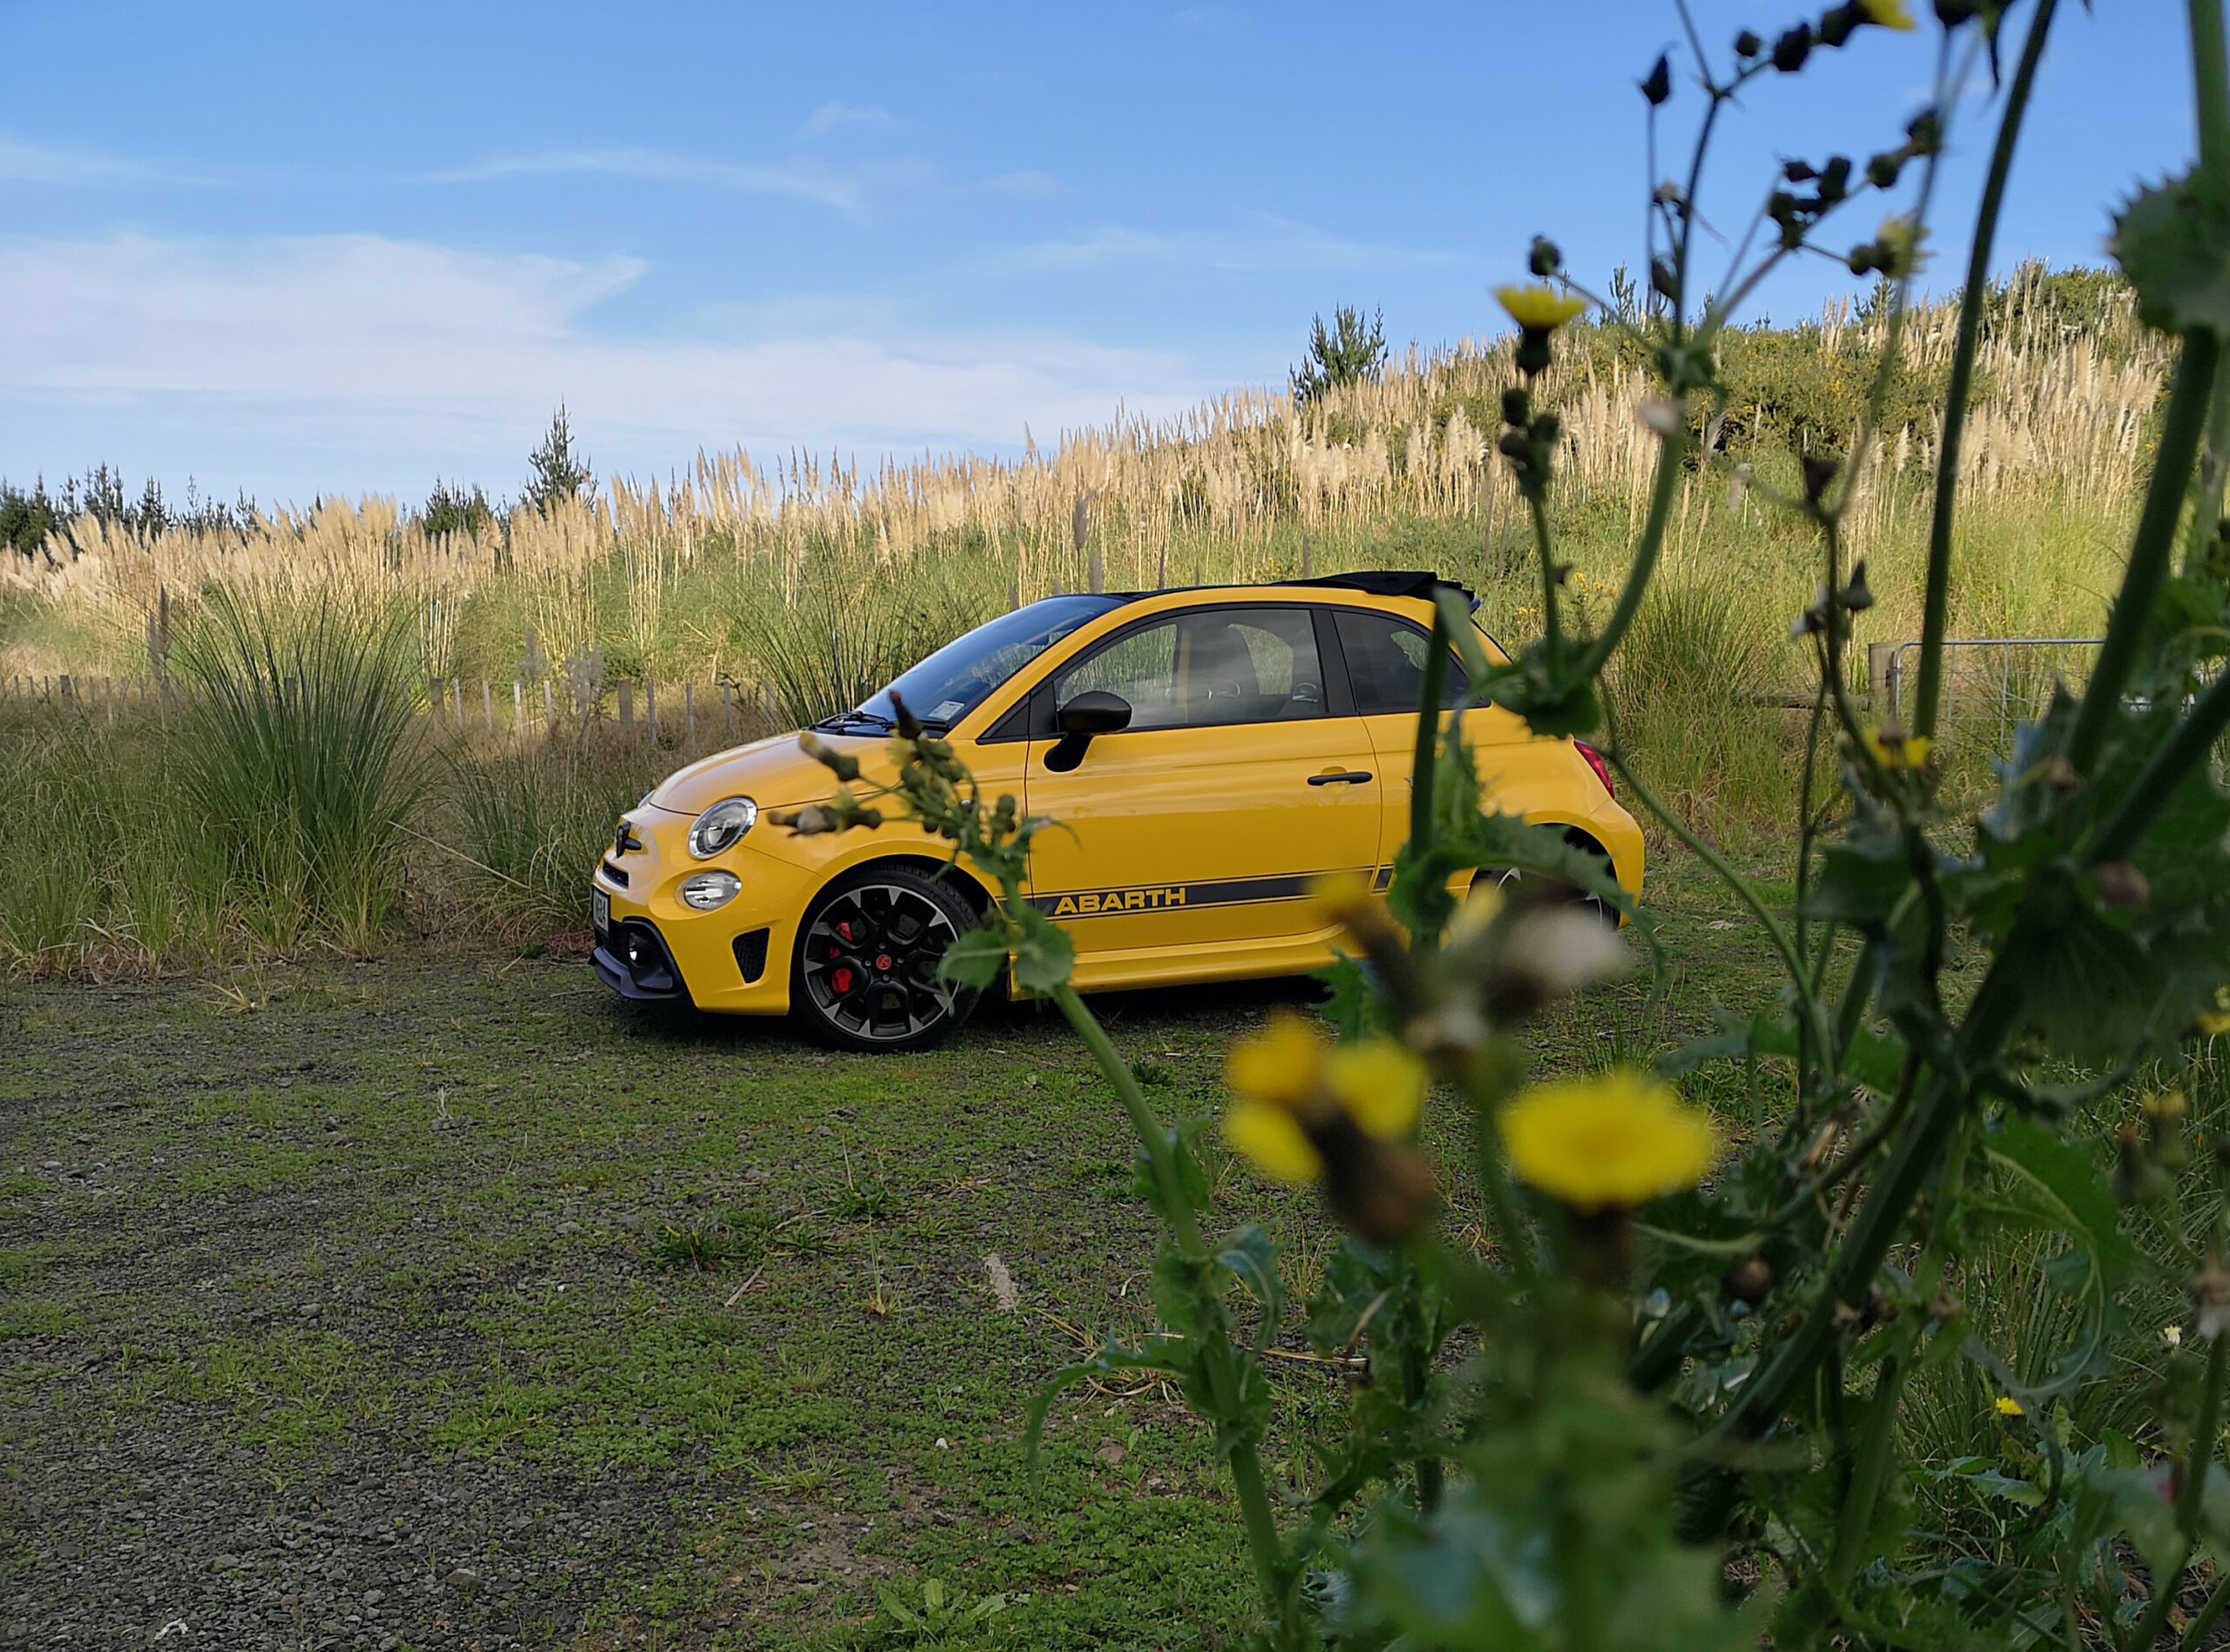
{"points": [[1207, 755]]}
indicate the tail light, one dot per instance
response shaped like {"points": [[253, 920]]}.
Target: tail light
{"points": [[1595, 761]]}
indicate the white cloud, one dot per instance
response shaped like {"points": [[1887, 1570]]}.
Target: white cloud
{"points": [[1262, 244], [833, 115], [73, 167], [809, 179], [349, 362]]}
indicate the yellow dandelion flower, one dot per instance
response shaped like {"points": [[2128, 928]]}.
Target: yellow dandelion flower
{"points": [[1539, 308], [1619, 1139], [2008, 1406], [2212, 1023], [2168, 1104], [1890, 14], [1272, 1137], [1380, 1085], [1893, 751], [1281, 1066], [1341, 894]]}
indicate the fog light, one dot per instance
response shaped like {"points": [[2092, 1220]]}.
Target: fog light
{"points": [[709, 891]]}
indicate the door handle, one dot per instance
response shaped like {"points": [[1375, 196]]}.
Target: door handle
{"points": [[1341, 776]]}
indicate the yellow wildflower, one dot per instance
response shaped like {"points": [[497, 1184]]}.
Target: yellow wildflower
{"points": [[1288, 1084], [2168, 1104], [2212, 1023], [1894, 750], [2008, 1406], [1280, 1065], [1619, 1139], [1539, 308], [1890, 14]]}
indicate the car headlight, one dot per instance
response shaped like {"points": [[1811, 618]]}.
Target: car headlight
{"points": [[721, 828], [709, 891]]}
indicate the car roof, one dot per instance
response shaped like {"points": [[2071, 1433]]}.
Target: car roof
{"points": [[1414, 583]]}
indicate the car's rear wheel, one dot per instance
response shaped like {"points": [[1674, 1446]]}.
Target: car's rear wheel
{"points": [[1514, 884], [866, 974]]}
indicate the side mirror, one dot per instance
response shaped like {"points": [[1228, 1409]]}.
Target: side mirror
{"points": [[1094, 711]]}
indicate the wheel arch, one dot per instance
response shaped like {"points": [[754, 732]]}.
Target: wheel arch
{"points": [[963, 879]]}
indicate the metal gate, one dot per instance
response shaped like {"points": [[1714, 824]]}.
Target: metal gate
{"points": [[1991, 684]]}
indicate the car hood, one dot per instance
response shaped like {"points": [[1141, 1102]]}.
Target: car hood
{"points": [[771, 772]]}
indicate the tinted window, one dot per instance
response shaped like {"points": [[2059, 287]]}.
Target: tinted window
{"points": [[1208, 667], [1386, 664]]}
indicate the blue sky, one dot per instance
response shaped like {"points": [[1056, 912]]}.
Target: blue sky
{"points": [[302, 249]]}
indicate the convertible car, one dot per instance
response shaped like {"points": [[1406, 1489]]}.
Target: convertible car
{"points": [[1208, 753]]}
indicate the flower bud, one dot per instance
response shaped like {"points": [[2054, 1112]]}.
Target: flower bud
{"points": [[1750, 1280], [1793, 48], [1748, 44], [1881, 171], [1546, 258], [1836, 26], [2121, 884], [1819, 471], [1657, 87], [842, 765], [1517, 406]]}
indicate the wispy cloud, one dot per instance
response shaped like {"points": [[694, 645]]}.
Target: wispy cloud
{"points": [[806, 179], [1262, 244], [70, 166], [347, 361], [1024, 183], [834, 117]]}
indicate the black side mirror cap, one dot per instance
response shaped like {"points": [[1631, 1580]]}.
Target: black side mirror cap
{"points": [[1092, 713], [1095, 712]]}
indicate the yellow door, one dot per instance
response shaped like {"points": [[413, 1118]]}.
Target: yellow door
{"points": [[1385, 660], [1204, 821]]}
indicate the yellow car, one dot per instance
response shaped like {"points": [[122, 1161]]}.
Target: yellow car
{"points": [[1206, 754]]}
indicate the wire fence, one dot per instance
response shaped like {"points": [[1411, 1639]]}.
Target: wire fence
{"points": [[1991, 685]]}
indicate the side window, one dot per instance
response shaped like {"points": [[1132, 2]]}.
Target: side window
{"points": [[1140, 666], [1386, 664], [1208, 668]]}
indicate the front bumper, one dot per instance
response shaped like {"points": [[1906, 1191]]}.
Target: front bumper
{"points": [[633, 961], [734, 960]]}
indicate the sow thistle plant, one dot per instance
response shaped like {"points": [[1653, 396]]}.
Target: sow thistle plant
{"points": [[1681, 1391]]}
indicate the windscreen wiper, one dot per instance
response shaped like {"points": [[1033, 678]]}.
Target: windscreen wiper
{"points": [[872, 719]]}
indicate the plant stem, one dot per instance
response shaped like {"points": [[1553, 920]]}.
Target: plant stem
{"points": [[1551, 627], [1662, 492], [2191, 1501], [2211, 80], [2154, 788], [1872, 1467], [2203, 1620], [1267, 1547], [2132, 620], [1935, 607], [1425, 763]]}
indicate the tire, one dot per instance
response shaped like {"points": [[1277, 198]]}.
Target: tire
{"points": [[865, 973], [1515, 885]]}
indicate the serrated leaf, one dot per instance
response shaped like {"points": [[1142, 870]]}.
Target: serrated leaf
{"points": [[975, 959], [2173, 241], [1044, 953]]}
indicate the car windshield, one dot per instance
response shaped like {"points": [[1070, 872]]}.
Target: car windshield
{"points": [[953, 681]]}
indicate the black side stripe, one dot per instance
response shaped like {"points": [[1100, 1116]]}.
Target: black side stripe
{"points": [[1169, 897]]}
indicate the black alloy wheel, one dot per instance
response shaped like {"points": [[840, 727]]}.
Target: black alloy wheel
{"points": [[867, 962]]}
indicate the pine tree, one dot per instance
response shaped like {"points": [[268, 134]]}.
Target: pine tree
{"points": [[1345, 353]]}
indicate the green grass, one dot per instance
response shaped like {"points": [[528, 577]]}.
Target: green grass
{"points": [[466, 1173]]}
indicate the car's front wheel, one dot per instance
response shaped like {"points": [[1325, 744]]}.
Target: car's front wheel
{"points": [[865, 974]]}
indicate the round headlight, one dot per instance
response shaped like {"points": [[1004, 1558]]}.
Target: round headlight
{"points": [[709, 891], [720, 827]]}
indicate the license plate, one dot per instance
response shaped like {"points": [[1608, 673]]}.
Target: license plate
{"points": [[600, 910]]}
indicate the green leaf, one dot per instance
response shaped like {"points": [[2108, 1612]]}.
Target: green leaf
{"points": [[1043, 954], [975, 959], [2173, 242], [2067, 1190]]}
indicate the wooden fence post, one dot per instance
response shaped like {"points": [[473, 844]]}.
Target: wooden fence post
{"points": [[548, 704], [651, 707], [627, 706], [1880, 665], [689, 713]]}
